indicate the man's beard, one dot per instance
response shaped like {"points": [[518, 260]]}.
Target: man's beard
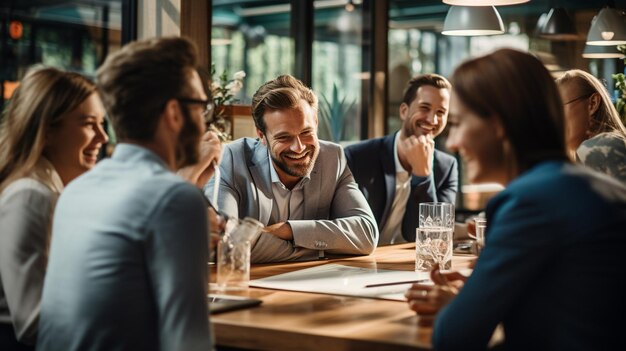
{"points": [[187, 150], [408, 130], [299, 170]]}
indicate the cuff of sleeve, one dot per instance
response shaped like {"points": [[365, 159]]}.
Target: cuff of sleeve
{"points": [[301, 231]]}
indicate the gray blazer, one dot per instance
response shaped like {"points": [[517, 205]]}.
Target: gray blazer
{"points": [[337, 218]]}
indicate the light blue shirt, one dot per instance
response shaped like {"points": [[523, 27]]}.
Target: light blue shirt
{"points": [[127, 268]]}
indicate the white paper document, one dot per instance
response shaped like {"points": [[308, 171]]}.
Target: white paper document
{"points": [[338, 279]]}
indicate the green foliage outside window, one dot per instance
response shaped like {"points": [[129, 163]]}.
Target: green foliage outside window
{"points": [[620, 84]]}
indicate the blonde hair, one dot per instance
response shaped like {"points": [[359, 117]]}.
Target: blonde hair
{"points": [[44, 96], [605, 119]]}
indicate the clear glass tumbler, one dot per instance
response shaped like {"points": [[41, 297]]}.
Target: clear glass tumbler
{"points": [[433, 240]]}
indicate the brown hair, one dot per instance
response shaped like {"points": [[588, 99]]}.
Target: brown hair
{"points": [[137, 81], [416, 82], [605, 119], [284, 92], [43, 97], [516, 88]]}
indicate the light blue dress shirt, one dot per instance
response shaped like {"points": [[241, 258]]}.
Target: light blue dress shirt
{"points": [[127, 267]]}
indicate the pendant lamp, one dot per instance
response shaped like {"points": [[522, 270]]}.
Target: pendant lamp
{"points": [[608, 28], [558, 25], [484, 2], [472, 21], [595, 51]]}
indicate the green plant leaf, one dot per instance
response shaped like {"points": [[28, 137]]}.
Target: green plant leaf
{"points": [[332, 114]]}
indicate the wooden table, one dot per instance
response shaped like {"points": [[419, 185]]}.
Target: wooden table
{"points": [[306, 321]]}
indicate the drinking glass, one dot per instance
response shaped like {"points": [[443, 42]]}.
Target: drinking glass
{"points": [[233, 254], [481, 226], [433, 242]]}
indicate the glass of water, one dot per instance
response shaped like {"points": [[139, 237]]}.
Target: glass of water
{"points": [[233, 254], [433, 241]]}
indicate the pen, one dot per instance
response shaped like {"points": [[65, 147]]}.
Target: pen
{"points": [[216, 184], [396, 283]]}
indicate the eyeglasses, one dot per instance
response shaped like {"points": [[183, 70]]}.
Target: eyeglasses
{"points": [[209, 107], [578, 98]]}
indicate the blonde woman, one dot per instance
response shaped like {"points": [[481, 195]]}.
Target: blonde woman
{"points": [[50, 134], [594, 133]]}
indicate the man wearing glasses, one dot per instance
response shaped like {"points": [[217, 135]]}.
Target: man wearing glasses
{"points": [[127, 268], [299, 187]]}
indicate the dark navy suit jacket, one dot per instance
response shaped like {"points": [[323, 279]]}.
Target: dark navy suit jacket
{"points": [[372, 164], [552, 270]]}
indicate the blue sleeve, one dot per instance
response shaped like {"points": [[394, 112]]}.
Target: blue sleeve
{"points": [[177, 256], [447, 192], [518, 244], [424, 189]]}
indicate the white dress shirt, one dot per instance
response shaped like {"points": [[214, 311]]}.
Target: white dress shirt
{"points": [[392, 231]]}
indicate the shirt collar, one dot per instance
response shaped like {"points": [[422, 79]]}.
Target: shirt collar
{"points": [[45, 172], [396, 160], [127, 151]]}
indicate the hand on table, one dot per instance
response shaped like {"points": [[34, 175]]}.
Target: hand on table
{"points": [[418, 152], [210, 153], [281, 230], [427, 300]]}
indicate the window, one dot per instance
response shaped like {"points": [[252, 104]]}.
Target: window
{"points": [[339, 75], [252, 38], [72, 35]]}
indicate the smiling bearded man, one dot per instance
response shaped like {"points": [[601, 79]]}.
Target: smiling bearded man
{"points": [[277, 179]]}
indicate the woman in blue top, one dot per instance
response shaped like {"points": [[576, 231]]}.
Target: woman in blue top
{"points": [[550, 272]]}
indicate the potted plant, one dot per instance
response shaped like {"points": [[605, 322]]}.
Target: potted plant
{"points": [[620, 85], [223, 92], [332, 116]]}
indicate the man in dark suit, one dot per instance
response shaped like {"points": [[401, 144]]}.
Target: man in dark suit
{"points": [[403, 169]]}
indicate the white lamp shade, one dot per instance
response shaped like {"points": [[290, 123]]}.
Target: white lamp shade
{"points": [[595, 51], [607, 28], [484, 2], [472, 21]]}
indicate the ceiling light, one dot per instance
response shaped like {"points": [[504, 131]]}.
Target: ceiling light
{"points": [[349, 6], [472, 21], [595, 51], [607, 28], [558, 25], [484, 2]]}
